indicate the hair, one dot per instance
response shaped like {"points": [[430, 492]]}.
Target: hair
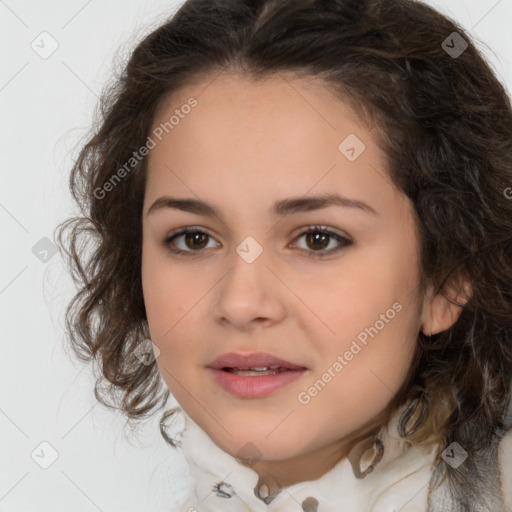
{"points": [[444, 123]]}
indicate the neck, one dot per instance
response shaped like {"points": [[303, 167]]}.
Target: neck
{"points": [[309, 466], [312, 465]]}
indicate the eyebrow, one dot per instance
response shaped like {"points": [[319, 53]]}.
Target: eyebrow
{"points": [[283, 207]]}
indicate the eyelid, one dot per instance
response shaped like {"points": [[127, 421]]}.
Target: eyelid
{"points": [[320, 227]]}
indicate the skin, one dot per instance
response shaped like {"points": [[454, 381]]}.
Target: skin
{"points": [[244, 146]]}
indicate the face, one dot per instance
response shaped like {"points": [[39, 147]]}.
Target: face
{"points": [[341, 301]]}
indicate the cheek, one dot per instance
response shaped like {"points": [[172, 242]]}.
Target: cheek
{"points": [[354, 298], [162, 283], [373, 314], [368, 373], [163, 303], [171, 298]]}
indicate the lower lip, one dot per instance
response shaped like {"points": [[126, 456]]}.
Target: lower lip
{"points": [[254, 387]]}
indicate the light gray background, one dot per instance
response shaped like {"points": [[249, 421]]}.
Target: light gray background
{"points": [[47, 107]]}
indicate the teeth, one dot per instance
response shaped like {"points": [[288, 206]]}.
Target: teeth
{"points": [[254, 373], [257, 370]]}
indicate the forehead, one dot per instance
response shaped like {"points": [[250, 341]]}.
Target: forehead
{"points": [[231, 101], [251, 137]]}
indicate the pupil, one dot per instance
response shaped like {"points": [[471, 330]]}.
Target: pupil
{"points": [[313, 237], [191, 237]]}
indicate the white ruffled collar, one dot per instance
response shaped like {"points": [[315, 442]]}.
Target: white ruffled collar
{"points": [[400, 481]]}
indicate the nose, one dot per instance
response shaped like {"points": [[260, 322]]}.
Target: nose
{"points": [[251, 293]]}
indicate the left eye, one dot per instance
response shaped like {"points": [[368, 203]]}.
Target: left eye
{"points": [[316, 237]]}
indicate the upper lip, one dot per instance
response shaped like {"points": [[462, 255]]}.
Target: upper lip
{"points": [[251, 360]]}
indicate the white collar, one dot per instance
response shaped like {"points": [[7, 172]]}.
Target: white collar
{"points": [[221, 483]]}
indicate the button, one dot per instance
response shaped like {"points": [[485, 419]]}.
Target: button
{"points": [[263, 491], [310, 504], [365, 455], [267, 488]]}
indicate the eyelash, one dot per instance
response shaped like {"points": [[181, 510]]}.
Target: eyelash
{"points": [[311, 229]]}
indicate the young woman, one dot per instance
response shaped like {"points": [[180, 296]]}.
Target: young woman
{"points": [[304, 210]]}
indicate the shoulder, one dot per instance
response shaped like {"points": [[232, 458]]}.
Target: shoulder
{"points": [[505, 463]]}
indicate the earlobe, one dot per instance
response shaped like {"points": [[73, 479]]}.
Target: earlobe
{"points": [[443, 310]]}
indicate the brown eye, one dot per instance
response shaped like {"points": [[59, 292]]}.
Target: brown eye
{"points": [[191, 239], [318, 238], [194, 240]]}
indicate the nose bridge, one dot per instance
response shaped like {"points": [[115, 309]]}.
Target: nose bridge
{"points": [[248, 291], [248, 268]]}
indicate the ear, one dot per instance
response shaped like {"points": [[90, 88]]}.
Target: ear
{"points": [[442, 310]]}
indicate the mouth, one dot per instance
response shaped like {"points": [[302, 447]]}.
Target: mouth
{"points": [[254, 375]]}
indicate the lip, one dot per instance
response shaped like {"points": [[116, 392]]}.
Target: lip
{"points": [[251, 359], [257, 386], [254, 387]]}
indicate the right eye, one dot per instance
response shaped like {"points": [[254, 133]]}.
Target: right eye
{"points": [[191, 236]]}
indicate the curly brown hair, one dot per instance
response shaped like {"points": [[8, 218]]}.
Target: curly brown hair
{"points": [[446, 128]]}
